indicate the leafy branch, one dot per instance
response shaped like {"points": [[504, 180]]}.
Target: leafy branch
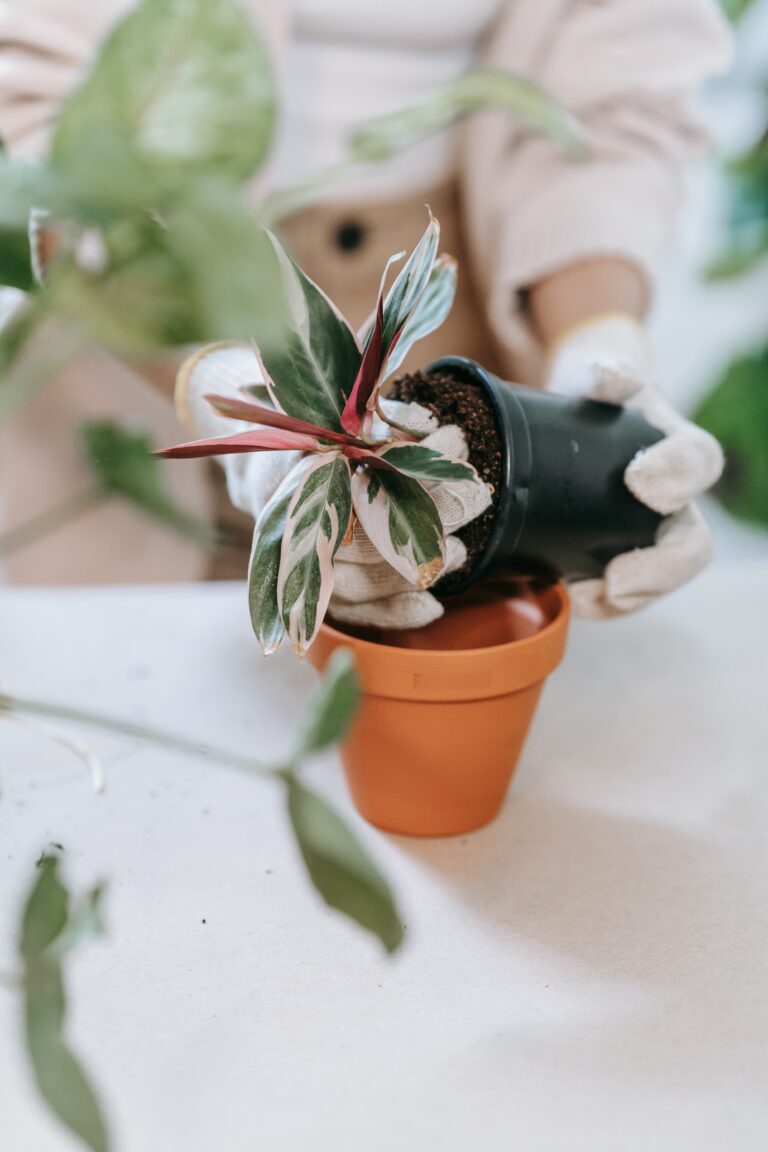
{"points": [[50, 929], [337, 864]]}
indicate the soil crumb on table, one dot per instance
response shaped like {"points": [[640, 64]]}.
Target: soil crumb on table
{"points": [[464, 403]]}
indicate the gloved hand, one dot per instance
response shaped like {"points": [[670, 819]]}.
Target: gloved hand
{"points": [[610, 359], [367, 591]]}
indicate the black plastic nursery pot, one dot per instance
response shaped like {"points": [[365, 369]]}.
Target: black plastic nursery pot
{"points": [[563, 507]]}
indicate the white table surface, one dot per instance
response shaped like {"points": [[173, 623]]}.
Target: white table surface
{"points": [[589, 973]]}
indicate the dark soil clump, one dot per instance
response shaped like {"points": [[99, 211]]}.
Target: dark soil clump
{"points": [[462, 402]]}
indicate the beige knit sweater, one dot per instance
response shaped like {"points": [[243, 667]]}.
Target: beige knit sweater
{"points": [[625, 68]]}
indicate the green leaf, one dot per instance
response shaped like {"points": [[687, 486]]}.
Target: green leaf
{"points": [[339, 867], [426, 464], [18, 331], [317, 521], [477, 89], [46, 911], [740, 259], [264, 569], [184, 83], [736, 413], [16, 259], [139, 304], [314, 367], [430, 311], [232, 273], [735, 9], [122, 465], [402, 522], [333, 708], [22, 188], [60, 1078], [86, 922]]}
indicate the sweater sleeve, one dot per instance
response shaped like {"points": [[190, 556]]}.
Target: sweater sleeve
{"points": [[45, 47], [627, 71]]}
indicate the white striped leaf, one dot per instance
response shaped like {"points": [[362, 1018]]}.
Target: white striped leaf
{"points": [[316, 524], [430, 311], [265, 564], [313, 368], [426, 464], [411, 282], [402, 522]]}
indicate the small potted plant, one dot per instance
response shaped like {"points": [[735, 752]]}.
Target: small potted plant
{"points": [[409, 771], [446, 708]]}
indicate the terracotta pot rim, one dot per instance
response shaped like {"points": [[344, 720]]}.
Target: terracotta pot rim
{"points": [[457, 674]]}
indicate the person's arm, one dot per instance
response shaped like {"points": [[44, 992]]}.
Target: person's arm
{"points": [[575, 294], [552, 235]]}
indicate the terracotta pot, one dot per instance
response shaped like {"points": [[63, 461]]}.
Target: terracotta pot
{"points": [[446, 709]]}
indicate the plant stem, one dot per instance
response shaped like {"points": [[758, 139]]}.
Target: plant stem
{"points": [[157, 736], [39, 526]]}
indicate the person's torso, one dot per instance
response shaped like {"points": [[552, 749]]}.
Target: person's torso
{"points": [[346, 63]]}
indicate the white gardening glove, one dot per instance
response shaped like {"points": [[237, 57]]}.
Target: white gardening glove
{"points": [[367, 590], [610, 359], [225, 369]]}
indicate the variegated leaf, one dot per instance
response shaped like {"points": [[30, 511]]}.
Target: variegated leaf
{"points": [[316, 524], [402, 522], [433, 306], [313, 369], [410, 283], [265, 564], [426, 464]]}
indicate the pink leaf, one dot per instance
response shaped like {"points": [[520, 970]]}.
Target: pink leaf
{"points": [[370, 370], [259, 414], [270, 440], [364, 390]]}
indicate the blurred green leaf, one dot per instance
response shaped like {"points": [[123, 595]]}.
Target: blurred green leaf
{"points": [[736, 413], [186, 84], [339, 867], [740, 259], [139, 304], [230, 265], [477, 89], [17, 332], [735, 9], [122, 464], [86, 922], [22, 188], [46, 911], [747, 191], [16, 259], [60, 1078], [333, 708]]}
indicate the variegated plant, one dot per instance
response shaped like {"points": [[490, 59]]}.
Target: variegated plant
{"points": [[324, 384]]}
